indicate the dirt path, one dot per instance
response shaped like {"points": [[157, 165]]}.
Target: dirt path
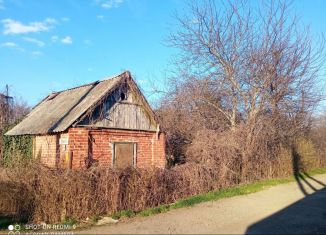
{"points": [[280, 209]]}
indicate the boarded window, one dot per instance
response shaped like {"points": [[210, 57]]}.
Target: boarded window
{"points": [[124, 155]]}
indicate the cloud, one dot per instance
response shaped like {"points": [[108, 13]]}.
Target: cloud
{"points": [[54, 38], [108, 4], [195, 21], [16, 27], [35, 41], [37, 53], [100, 17], [141, 81], [87, 42], [66, 40], [11, 45], [8, 44]]}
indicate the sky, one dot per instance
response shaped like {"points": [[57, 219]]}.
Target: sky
{"points": [[48, 45]]}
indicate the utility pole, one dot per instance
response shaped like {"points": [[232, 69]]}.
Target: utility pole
{"points": [[9, 104], [7, 95], [5, 107]]}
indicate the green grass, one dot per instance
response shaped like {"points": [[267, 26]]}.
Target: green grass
{"points": [[123, 213], [317, 171], [95, 219], [70, 221], [214, 195]]}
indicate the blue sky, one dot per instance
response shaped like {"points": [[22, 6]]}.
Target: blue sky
{"points": [[48, 45]]}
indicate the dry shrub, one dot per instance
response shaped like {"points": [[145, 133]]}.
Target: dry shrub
{"points": [[252, 152], [283, 164], [210, 147], [308, 155], [318, 137], [16, 202], [59, 194], [231, 151]]}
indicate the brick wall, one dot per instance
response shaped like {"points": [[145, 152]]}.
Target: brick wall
{"points": [[159, 150], [46, 149], [78, 146], [99, 143]]}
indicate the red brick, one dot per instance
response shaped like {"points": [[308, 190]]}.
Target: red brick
{"points": [[79, 141]]}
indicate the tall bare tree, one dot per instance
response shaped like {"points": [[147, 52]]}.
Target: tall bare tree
{"points": [[246, 82], [245, 61]]}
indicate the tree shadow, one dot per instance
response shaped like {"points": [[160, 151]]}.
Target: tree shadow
{"points": [[306, 216], [301, 175]]}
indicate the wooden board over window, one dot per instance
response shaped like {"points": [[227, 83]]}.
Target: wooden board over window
{"points": [[124, 155]]}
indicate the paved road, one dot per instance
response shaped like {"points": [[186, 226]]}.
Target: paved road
{"points": [[286, 208]]}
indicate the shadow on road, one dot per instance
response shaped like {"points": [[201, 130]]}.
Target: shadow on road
{"points": [[306, 216]]}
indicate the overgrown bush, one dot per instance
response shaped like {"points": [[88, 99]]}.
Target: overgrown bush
{"points": [[52, 195], [15, 148], [247, 154], [58, 194], [318, 137], [15, 201]]}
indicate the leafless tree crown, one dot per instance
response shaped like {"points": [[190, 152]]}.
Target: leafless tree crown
{"points": [[245, 61]]}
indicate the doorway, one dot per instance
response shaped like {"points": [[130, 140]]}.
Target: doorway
{"points": [[124, 154]]}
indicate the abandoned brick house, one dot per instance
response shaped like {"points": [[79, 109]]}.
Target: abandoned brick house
{"points": [[106, 123]]}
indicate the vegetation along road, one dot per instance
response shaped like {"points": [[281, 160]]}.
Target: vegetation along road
{"points": [[297, 207]]}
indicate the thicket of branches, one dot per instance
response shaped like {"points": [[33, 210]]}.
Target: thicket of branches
{"points": [[245, 86], [40, 194], [318, 135]]}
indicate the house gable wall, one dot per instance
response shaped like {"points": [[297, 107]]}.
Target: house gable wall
{"points": [[123, 114]]}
